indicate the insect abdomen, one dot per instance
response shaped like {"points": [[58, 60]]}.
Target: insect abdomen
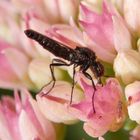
{"points": [[49, 44]]}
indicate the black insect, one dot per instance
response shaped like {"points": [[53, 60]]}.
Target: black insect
{"points": [[80, 56]]}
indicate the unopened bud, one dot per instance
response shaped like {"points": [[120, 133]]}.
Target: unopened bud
{"points": [[40, 73], [127, 65]]}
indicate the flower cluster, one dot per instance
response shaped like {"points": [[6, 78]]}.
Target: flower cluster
{"points": [[109, 28]]}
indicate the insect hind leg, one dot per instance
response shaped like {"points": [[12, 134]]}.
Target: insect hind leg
{"points": [[55, 63]]}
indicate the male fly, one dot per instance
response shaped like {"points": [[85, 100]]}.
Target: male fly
{"points": [[80, 56]]}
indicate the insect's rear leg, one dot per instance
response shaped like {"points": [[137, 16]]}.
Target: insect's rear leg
{"points": [[57, 63]]}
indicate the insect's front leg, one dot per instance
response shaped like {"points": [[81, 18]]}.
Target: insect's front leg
{"points": [[55, 63], [73, 82], [84, 68], [87, 75]]}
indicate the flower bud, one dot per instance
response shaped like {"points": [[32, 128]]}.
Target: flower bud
{"points": [[132, 92], [132, 15], [40, 73], [127, 65]]}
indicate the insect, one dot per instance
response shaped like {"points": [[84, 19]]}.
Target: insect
{"points": [[80, 56]]}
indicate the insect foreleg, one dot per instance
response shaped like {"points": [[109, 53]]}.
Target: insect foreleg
{"points": [[87, 75], [73, 82]]}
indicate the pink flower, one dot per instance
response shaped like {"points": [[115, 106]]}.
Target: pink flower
{"points": [[55, 104], [109, 107], [21, 119], [105, 31], [132, 93], [19, 56], [14, 56], [26, 60], [105, 45]]}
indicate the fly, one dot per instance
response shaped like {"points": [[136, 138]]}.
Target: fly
{"points": [[80, 56]]}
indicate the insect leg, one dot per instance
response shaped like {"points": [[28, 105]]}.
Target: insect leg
{"points": [[58, 62], [99, 81], [87, 75], [73, 82]]}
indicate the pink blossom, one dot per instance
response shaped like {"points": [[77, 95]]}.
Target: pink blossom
{"points": [[21, 119], [105, 31], [109, 23], [109, 107], [55, 104], [14, 56], [17, 53], [25, 54]]}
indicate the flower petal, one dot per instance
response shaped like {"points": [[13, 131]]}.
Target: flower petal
{"points": [[58, 102], [5, 134], [127, 65], [132, 15], [27, 129], [8, 78], [120, 30], [18, 61]]}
